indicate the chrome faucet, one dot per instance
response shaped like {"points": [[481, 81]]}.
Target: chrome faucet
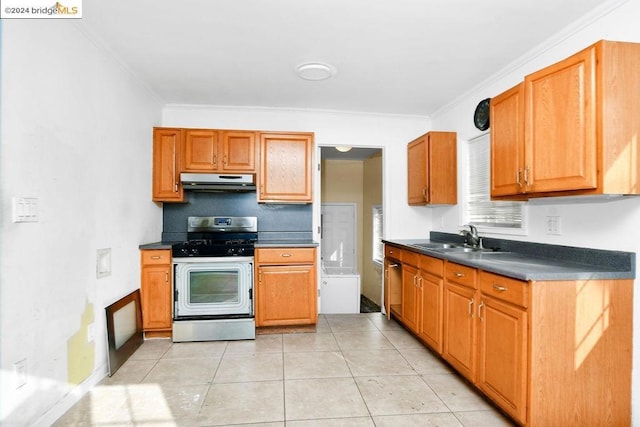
{"points": [[471, 237]]}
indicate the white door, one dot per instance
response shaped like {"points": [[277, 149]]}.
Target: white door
{"points": [[339, 236]]}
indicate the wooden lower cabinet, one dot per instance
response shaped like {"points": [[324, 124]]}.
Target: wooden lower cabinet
{"points": [[548, 353], [431, 289], [155, 292], [502, 355], [459, 329], [410, 297], [286, 289]]}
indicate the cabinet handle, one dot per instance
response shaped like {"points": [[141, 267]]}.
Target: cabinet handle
{"points": [[214, 160], [261, 189], [175, 187], [499, 288], [425, 194], [526, 176], [457, 274], [285, 255], [415, 280], [518, 172], [224, 160], [155, 256], [393, 266], [166, 277], [480, 311], [471, 307], [420, 282]]}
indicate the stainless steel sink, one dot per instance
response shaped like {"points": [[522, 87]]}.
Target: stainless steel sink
{"points": [[435, 245]]}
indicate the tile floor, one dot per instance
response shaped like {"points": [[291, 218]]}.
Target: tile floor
{"points": [[356, 370]]}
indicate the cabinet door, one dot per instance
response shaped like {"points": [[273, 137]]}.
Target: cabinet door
{"points": [[392, 288], [417, 169], [410, 291], [286, 295], [167, 145], [285, 168], [430, 328], [507, 142], [560, 125], [442, 168], [502, 352], [459, 329], [200, 150], [239, 151], [155, 292]]}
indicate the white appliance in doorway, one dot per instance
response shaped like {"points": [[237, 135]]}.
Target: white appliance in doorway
{"points": [[340, 280]]}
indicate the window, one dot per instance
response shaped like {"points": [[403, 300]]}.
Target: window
{"points": [[378, 250], [481, 211]]}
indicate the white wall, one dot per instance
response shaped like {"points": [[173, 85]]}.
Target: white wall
{"points": [[389, 132], [594, 223], [76, 134]]}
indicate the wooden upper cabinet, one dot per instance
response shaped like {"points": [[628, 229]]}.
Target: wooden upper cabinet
{"points": [[581, 119], [432, 169], [207, 150], [507, 142], [560, 125], [167, 149], [286, 167], [201, 150], [239, 151]]}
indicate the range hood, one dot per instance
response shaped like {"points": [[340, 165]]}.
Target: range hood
{"points": [[218, 182]]}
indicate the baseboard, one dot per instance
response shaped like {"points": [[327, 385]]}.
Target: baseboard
{"points": [[73, 397]]}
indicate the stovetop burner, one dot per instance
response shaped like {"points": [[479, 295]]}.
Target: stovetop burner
{"points": [[218, 237]]}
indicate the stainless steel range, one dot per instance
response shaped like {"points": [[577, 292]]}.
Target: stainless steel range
{"points": [[213, 280]]}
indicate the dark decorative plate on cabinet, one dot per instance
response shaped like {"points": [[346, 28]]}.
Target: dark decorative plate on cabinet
{"points": [[481, 115]]}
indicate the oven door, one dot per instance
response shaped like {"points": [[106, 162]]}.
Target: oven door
{"points": [[210, 288]]}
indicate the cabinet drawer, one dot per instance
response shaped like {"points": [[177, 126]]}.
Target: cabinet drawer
{"points": [[461, 274], [410, 258], [504, 288], [286, 256], [431, 265], [393, 252], [156, 257]]}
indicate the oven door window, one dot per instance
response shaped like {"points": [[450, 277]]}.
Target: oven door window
{"points": [[213, 289]]}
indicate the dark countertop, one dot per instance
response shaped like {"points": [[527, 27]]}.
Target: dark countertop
{"points": [[284, 243], [156, 245], [534, 261]]}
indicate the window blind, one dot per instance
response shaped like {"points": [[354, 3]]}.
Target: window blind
{"points": [[481, 211]]}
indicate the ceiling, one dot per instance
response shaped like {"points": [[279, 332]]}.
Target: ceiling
{"points": [[392, 56]]}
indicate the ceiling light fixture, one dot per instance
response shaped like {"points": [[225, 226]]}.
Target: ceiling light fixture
{"points": [[315, 71], [343, 148]]}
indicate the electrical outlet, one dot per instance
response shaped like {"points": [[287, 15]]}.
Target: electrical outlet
{"points": [[553, 225], [20, 372], [91, 332]]}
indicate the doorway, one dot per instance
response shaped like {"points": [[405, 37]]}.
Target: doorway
{"points": [[355, 177]]}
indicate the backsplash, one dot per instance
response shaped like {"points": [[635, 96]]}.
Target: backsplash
{"points": [[275, 221]]}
